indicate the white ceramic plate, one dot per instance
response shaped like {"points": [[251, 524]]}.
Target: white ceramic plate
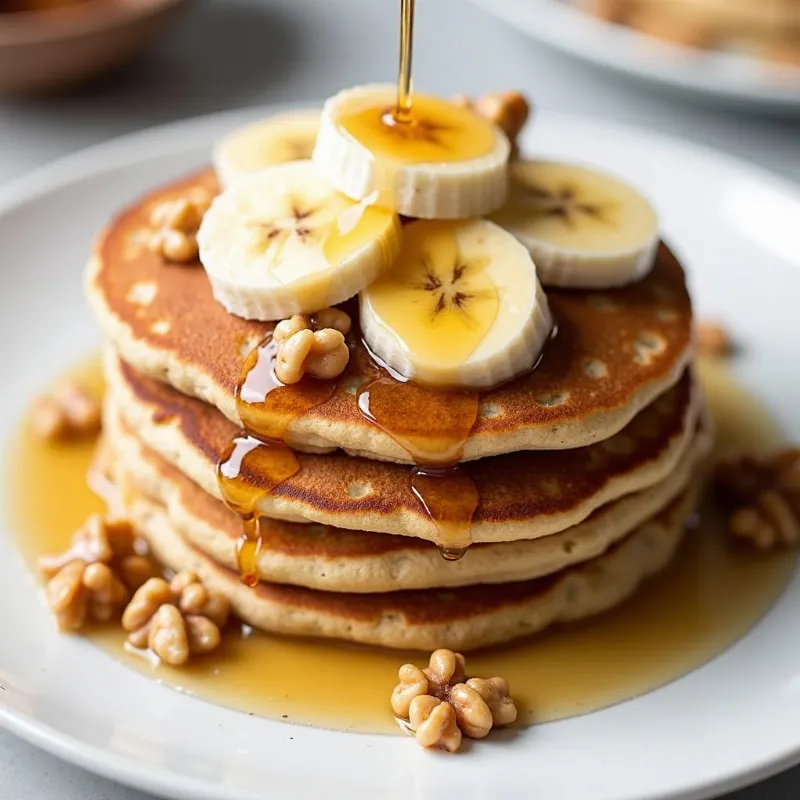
{"points": [[729, 723], [731, 77]]}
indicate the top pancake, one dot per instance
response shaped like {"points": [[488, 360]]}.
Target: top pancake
{"points": [[614, 352]]}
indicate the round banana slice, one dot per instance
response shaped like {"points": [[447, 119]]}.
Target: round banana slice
{"points": [[585, 230], [445, 162], [462, 306], [282, 241], [276, 140]]}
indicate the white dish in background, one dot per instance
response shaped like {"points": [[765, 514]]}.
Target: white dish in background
{"points": [[731, 77], [729, 723]]}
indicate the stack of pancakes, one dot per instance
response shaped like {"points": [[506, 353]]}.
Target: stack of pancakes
{"points": [[584, 467]]}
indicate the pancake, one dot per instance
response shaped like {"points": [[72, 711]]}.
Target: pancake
{"points": [[337, 560], [614, 352], [461, 619], [522, 495]]}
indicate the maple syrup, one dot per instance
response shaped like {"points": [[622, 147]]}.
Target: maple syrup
{"points": [[355, 227], [708, 598], [339, 226], [418, 129], [435, 442], [402, 112], [437, 131], [440, 304], [258, 460]]}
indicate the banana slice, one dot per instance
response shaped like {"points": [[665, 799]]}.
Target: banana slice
{"points": [[276, 140], [585, 230], [446, 162], [462, 306], [282, 241]]}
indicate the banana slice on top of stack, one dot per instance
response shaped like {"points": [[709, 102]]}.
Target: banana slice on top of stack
{"points": [[282, 241], [276, 140], [446, 162], [452, 298], [461, 307], [585, 230]]}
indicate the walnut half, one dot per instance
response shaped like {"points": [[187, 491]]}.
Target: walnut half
{"points": [[440, 703], [713, 339], [174, 225], [176, 620], [70, 411], [763, 499], [312, 345], [508, 110], [94, 578]]}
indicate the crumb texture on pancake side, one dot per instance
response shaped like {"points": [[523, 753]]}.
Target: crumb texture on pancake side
{"points": [[522, 495], [338, 560], [461, 619]]}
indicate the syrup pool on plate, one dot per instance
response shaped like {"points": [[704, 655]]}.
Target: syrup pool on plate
{"points": [[709, 597]]}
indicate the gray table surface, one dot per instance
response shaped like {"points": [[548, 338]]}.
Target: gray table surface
{"points": [[231, 53]]}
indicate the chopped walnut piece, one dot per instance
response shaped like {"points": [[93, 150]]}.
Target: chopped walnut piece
{"points": [[440, 703], [175, 224], [71, 411], [494, 692], [713, 339], [413, 683], [434, 722], [167, 636], [149, 597], [176, 247], [135, 570], [67, 596], [312, 346], [508, 110], [763, 499], [332, 318], [93, 579], [203, 634], [445, 669], [176, 620], [473, 715], [184, 214]]}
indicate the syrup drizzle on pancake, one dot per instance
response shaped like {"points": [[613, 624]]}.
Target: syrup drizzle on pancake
{"points": [[258, 459], [267, 408], [447, 493]]}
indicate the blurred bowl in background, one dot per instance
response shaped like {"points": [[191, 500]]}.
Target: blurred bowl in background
{"points": [[62, 43]]}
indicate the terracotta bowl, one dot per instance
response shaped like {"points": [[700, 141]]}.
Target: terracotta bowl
{"points": [[45, 50]]}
